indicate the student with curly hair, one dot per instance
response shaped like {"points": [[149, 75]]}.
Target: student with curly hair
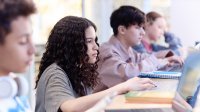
{"points": [[16, 53], [67, 72]]}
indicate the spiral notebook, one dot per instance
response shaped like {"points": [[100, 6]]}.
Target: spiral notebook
{"points": [[160, 74]]}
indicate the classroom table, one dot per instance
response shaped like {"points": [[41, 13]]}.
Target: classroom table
{"points": [[119, 105]]}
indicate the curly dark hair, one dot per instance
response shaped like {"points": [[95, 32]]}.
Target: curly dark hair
{"points": [[67, 48], [10, 10]]}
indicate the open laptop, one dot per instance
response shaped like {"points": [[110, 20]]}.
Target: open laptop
{"points": [[189, 85]]}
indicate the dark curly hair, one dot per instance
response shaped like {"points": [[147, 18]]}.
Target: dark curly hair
{"points": [[10, 10], [67, 48]]}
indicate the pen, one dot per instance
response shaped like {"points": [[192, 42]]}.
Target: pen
{"points": [[154, 84]]}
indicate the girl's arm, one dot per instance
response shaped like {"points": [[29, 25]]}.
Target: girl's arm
{"points": [[86, 102]]}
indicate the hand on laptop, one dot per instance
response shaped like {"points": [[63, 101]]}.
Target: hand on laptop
{"points": [[175, 59]]}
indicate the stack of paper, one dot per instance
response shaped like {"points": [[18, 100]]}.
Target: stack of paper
{"points": [[163, 97]]}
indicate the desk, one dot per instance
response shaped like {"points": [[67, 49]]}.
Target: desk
{"points": [[119, 104]]}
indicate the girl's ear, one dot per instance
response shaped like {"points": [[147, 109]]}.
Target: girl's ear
{"points": [[121, 29]]}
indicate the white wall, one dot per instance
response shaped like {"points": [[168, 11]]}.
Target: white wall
{"points": [[185, 20], [99, 11]]}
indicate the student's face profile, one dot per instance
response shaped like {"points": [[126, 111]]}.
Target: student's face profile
{"points": [[92, 47], [156, 29], [17, 50], [133, 34]]}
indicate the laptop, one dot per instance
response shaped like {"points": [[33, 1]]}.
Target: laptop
{"points": [[189, 85]]}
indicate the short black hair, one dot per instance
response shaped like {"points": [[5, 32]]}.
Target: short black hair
{"points": [[10, 10], [126, 16]]}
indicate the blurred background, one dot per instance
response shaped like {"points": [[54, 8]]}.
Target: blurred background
{"points": [[182, 17]]}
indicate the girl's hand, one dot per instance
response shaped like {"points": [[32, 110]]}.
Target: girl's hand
{"points": [[175, 59], [136, 84]]}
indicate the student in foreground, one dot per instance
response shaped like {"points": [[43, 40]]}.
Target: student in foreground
{"points": [[16, 53], [67, 72], [118, 62]]}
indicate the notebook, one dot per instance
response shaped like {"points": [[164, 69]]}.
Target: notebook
{"points": [[161, 97], [160, 74]]}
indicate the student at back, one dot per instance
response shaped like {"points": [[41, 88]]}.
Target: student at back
{"points": [[155, 28], [16, 52], [118, 62]]}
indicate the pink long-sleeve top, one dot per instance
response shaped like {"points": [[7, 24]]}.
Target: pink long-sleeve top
{"points": [[117, 64]]}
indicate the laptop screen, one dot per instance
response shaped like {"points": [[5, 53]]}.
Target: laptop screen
{"points": [[189, 84]]}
